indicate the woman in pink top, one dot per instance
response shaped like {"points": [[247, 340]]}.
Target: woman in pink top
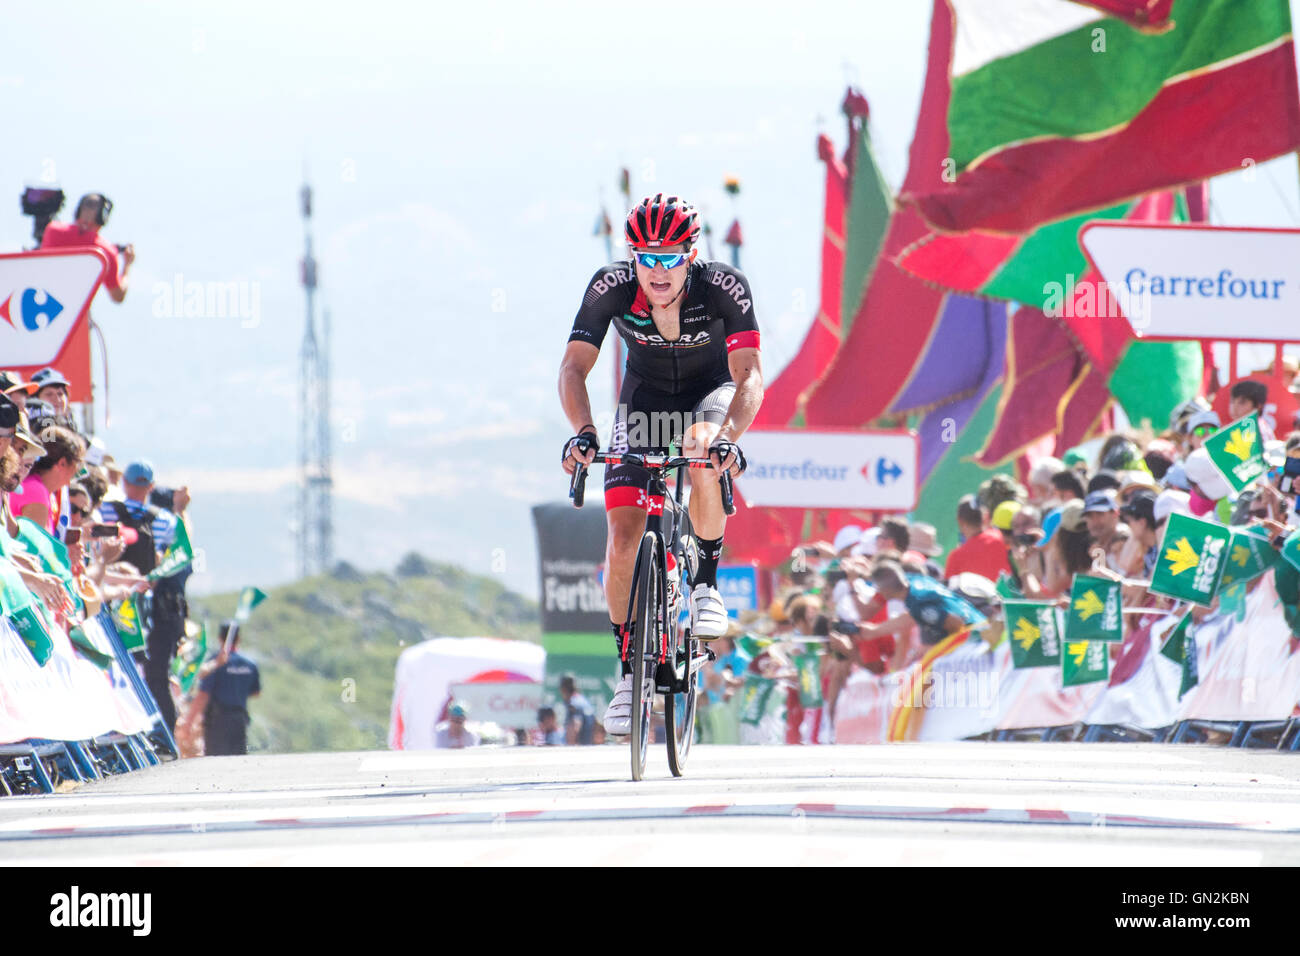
{"points": [[37, 499]]}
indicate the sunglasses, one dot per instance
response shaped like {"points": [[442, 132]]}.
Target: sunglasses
{"points": [[1204, 431], [80, 512], [669, 260]]}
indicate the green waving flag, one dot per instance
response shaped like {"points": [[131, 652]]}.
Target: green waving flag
{"points": [[757, 694], [178, 556], [32, 630], [810, 679], [1249, 556], [127, 620], [249, 598], [1237, 451], [190, 659], [1034, 629], [1085, 662], [1190, 559], [1094, 610], [1175, 643]]}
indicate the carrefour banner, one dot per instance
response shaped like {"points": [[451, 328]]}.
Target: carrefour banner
{"points": [[44, 297], [1200, 281], [875, 470]]}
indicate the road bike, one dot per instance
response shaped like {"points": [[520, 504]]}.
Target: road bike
{"points": [[665, 658]]}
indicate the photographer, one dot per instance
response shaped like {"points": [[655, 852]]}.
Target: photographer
{"points": [[92, 214]]}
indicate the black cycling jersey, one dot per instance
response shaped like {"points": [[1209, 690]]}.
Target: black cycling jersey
{"points": [[717, 317]]}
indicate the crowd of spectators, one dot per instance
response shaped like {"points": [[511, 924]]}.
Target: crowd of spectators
{"points": [[877, 598], [80, 532]]}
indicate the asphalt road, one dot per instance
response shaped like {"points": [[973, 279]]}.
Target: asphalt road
{"points": [[928, 804]]}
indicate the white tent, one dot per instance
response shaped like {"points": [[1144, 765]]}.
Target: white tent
{"points": [[426, 672]]}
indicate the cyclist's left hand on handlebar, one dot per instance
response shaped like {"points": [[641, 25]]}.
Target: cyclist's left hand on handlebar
{"points": [[726, 455]]}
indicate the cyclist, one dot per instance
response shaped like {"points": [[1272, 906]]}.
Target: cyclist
{"points": [[692, 368]]}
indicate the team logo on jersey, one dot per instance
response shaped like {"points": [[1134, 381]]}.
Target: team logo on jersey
{"points": [[687, 340], [729, 284], [629, 317]]}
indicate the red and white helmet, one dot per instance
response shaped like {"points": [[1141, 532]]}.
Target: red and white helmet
{"points": [[662, 221]]}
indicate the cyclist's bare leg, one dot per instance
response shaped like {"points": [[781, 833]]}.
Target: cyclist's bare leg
{"points": [[626, 526], [707, 517]]}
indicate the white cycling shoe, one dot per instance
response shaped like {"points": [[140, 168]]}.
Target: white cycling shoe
{"points": [[618, 715], [708, 615]]}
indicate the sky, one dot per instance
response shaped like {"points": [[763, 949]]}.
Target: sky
{"points": [[460, 155]]}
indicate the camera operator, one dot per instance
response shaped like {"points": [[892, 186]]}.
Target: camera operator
{"points": [[92, 214]]}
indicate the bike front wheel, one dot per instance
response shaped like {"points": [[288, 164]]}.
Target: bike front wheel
{"points": [[679, 711], [648, 598]]}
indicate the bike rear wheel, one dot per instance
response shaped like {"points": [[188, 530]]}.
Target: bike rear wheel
{"points": [[648, 598]]}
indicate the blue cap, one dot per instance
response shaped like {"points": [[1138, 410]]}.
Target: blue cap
{"points": [[457, 710], [139, 473]]}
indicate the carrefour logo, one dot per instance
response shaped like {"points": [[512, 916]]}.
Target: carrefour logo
{"points": [[34, 309], [884, 470]]}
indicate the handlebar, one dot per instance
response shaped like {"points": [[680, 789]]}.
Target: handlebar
{"points": [[578, 484]]}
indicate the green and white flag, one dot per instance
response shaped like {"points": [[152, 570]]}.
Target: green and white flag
{"points": [[1175, 642], [1249, 556], [1237, 451], [190, 659], [177, 557], [1190, 559], [1034, 629], [249, 598], [810, 679], [757, 695], [32, 630], [1094, 610], [127, 620], [1085, 662]]}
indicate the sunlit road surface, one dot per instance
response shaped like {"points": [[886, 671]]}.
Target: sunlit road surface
{"points": [[926, 804]]}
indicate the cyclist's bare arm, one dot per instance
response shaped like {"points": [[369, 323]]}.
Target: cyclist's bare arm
{"points": [[747, 372], [579, 360]]}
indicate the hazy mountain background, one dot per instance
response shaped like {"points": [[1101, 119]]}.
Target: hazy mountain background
{"points": [[459, 155]]}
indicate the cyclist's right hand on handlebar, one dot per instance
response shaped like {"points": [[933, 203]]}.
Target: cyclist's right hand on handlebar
{"points": [[580, 448]]}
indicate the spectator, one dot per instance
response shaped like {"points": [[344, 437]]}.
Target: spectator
{"points": [[52, 389], [1207, 487], [39, 498], [1041, 489], [153, 530], [1247, 398], [1101, 514], [1200, 427], [1140, 514], [222, 699], [1066, 549], [1160, 456], [579, 714], [998, 489], [1068, 485], [982, 550], [452, 732], [91, 216], [894, 534], [548, 733], [15, 389]]}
